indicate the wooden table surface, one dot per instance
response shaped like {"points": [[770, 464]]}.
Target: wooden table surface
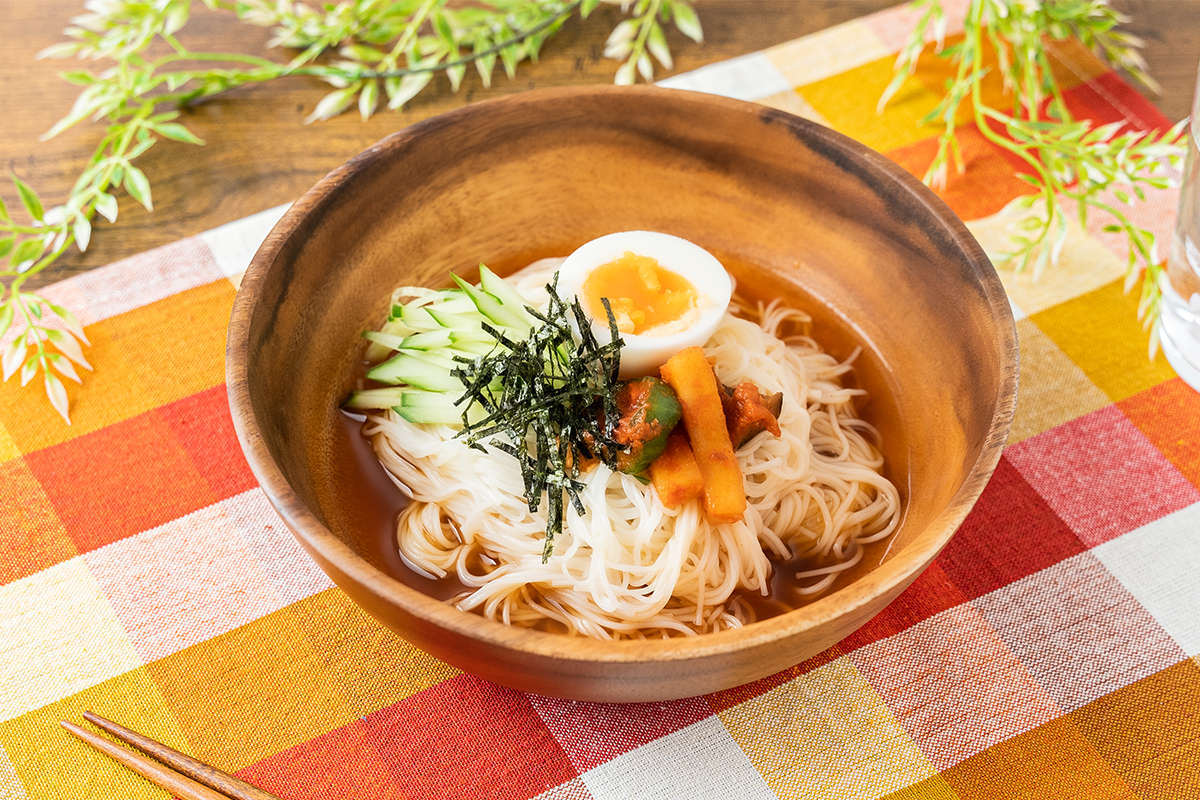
{"points": [[259, 153]]}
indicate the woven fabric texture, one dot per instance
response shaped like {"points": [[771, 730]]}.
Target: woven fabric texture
{"points": [[1050, 652]]}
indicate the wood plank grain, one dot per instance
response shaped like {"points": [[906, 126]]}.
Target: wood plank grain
{"points": [[260, 154]]}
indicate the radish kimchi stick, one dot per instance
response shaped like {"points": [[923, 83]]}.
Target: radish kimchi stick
{"points": [[689, 374], [675, 475]]}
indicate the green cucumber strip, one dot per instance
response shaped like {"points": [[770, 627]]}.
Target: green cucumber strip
{"points": [[461, 321], [477, 335], [417, 319], [416, 368], [435, 383], [423, 335], [429, 340], [436, 407], [472, 349], [396, 328], [492, 308], [458, 303], [414, 405], [430, 415], [417, 294], [387, 341], [426, 298], [375, 398], [435, 360], [377, 351], [414, 398], [498, 288], [425, 318], [426, 340]]}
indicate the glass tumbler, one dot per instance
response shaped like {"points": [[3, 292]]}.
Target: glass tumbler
{"points": [[1179, 327]]}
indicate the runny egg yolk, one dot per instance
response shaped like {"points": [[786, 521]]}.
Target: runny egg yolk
{"points": [[642, 294]]}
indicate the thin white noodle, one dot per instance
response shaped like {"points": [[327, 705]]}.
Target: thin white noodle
{"points": [[629, 567]]}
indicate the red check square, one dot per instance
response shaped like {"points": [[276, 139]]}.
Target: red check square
{"points": [[954, 686], [204, 429], [1169, 416], [316, 769], [1011, 533], [129, 477], [989, 182], [1101, 475], [930, 594], [32, 534], [1107, 98], [468, 733]]}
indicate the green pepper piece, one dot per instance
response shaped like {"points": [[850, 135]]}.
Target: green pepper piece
{"points": [[649, 412]]}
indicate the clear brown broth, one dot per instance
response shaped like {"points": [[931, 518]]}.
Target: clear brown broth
{"points": [[372, 504]]}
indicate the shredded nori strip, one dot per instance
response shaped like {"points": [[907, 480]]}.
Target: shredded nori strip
{"points": [[550, 403]]}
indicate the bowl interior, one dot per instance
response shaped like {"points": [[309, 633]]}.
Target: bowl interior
{"points": [[790, 208]]}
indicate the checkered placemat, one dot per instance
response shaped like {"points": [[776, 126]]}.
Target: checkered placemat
{"points": [[1050, 652]]}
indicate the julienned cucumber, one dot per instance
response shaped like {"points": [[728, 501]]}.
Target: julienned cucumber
{"points": [[429, 340], [417, 368], [424, 335], [414, 405], [501, 315]]}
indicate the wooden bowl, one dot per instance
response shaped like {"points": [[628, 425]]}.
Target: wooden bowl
{"points": [[790, 207]]}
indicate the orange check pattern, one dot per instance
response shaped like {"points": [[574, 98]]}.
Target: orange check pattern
{"points": [[1050, 652]]}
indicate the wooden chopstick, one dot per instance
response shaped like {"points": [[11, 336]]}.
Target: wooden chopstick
{"points": [[181, 787], [189, 779]]}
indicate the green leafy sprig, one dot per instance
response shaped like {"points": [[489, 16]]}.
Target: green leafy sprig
{"points": [[549, 403], [1094, 166], [373, 52], [641, 36]]}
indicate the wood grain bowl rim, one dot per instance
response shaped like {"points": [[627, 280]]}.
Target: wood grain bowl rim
{"points": [[888, 578]]}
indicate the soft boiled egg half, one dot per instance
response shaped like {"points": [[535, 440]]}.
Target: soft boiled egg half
{"points": [[665, 293]]}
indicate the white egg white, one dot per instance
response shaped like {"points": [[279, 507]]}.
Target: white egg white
{"points": [[644, 354]]}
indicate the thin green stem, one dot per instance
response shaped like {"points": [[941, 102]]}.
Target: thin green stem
{"points": [[494, 49], [1055, 90], [410, 31], [50, 258], [29, 323], [228, 57], [171, 40], [274, 70], [982, 114], [130, 93], [33, 230], [639, 47]]}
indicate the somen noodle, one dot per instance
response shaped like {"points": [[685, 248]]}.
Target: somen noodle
{"points": [[629, 566]]}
